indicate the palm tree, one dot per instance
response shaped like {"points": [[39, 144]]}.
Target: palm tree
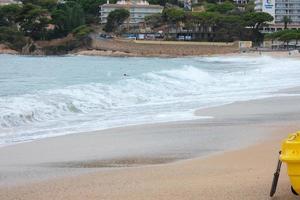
{"points": [[286, 20]]}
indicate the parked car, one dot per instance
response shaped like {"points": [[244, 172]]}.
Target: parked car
{"points": [[180, 37], [188, 37], [109, 37], [141, 36], [105, 36], [159, 35], [131, 37]]}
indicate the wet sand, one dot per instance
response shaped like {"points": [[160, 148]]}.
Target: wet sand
{"points": [[144, 162]]}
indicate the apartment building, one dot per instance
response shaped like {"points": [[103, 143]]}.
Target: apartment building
{"points": [[138, 10], [278, 9]]}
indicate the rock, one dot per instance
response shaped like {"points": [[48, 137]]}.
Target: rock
{"points": [[4, 49]]}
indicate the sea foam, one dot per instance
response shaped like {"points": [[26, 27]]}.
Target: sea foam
{"points": [[169, 91]]}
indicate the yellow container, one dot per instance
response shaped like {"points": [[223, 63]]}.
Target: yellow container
{"points": [[290, 154]]}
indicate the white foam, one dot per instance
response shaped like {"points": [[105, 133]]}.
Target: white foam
{"points": [[161, 95]]}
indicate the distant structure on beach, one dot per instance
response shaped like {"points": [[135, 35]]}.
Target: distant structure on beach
{"points": [[280, 10], [138, 10]]}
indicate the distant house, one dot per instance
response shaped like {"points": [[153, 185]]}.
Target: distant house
{"points": [[138, 10], [6, 2]]}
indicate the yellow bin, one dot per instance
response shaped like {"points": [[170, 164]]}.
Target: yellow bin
{"points": [[290, 154]]}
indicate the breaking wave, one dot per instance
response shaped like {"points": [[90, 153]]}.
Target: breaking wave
{"points": [[159, 95]]}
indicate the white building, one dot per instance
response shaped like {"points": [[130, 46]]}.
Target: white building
{"points": [[138, 10], [241, 2], [6, 2], [278, 9]]}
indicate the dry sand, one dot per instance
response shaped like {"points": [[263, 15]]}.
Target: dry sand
{"points": [[235, 174], [244, 174], [158, 49]]}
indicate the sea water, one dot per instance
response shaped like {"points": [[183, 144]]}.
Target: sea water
{"points": [[50, 96]]}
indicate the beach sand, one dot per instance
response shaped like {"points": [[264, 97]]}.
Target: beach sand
{"points": [[74, 167]]}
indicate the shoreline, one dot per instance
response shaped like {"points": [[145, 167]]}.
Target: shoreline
{"points": [[150, 48], [201, 116], [120, 54]]}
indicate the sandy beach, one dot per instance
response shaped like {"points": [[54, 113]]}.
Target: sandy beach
{"points": [[105, 165]]}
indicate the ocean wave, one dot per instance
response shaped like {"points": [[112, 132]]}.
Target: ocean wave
{"points": [[147, 95], [153, 87]]}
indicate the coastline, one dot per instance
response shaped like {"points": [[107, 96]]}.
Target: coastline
{"points": [[129, 48], [116, 53], [76, 172]]}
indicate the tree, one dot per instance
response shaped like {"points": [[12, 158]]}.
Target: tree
{"points": [[8, 14], [67, 17], [33, 21], [249, 7], [82, 31], [286, 20], [154, 20], [115, 19], [173, 16], [222, 8], [285, 36], [205, 20], [91, 8], [229, 28], [12, 37], [256, 20], [46, 4]]}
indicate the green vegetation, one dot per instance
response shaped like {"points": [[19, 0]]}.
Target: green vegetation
{"points": [[12, 37], [67, 17], [154, 21], [82, 31], [220, 8], [115, 19], [223, 22], [285, 36], [33, 20], [286, 20]]}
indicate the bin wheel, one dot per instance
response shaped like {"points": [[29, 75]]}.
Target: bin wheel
{"points": [[293, 191]]}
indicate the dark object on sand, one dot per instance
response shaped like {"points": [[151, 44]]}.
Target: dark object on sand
{"points": [[276, 177], [293, 191]]}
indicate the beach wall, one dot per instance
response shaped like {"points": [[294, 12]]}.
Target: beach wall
{"points": [[174, 48]]}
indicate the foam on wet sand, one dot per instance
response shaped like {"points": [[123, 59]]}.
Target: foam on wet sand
{"points": [[74, 167]]}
